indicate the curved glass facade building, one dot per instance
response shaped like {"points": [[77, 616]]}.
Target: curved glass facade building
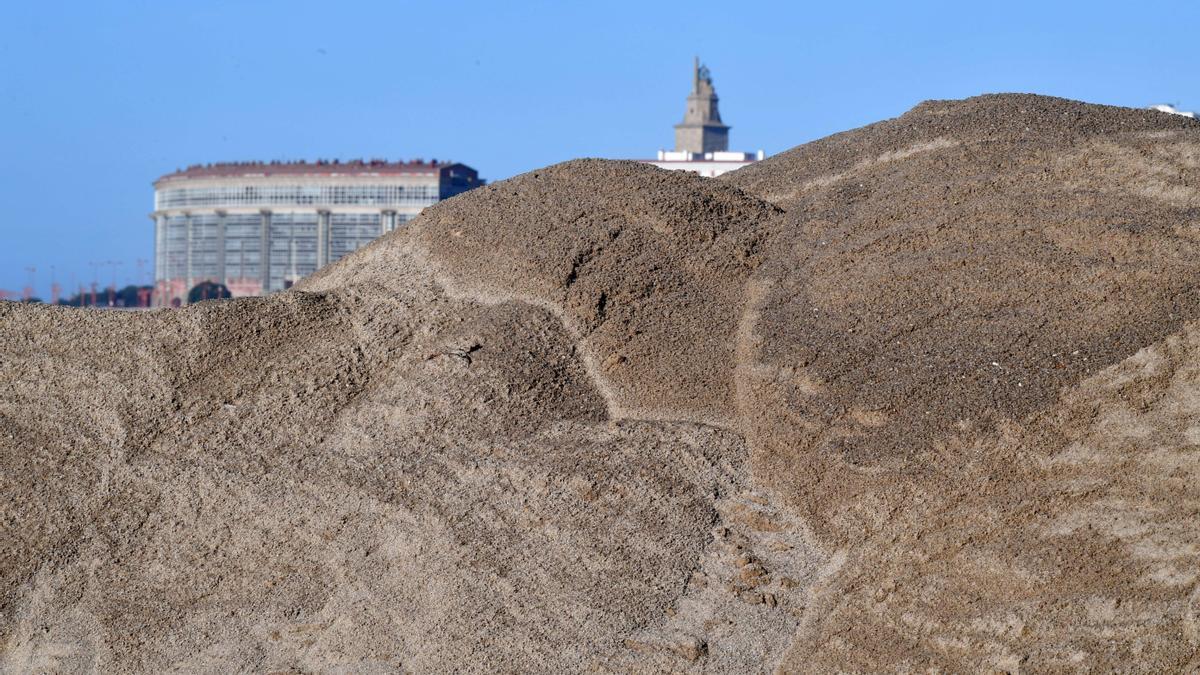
{"points": [[259, 227]]}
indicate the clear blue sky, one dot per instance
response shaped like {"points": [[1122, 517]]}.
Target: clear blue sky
{"points": [[97, 99]]}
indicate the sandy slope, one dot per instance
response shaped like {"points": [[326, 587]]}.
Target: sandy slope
{"points": [[919, 394]]}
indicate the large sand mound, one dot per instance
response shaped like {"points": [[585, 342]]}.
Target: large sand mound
{"points": [[957, 267], [917, 395]]}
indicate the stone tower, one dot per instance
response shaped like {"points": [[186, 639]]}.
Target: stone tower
{"points": [[701, 130]]}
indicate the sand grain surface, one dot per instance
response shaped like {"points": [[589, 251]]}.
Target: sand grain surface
{"points": [[919, 395]]}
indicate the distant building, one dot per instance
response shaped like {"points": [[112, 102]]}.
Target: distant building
{"points": [[1167, 108], [256, 228], [708, 164], [702, 130], [702, 139]]}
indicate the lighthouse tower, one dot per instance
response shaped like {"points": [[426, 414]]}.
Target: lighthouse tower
{"points": [[701, 130], [702, 139]]}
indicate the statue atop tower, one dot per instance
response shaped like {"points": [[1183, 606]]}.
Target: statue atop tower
{"points": [[701, 130]]}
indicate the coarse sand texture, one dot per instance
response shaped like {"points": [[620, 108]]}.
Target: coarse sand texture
{"points": [[919, 396]]}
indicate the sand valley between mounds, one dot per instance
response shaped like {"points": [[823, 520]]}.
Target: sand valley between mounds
{"points": [[921, 395]]}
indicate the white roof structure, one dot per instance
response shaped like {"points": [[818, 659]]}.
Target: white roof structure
{"points": [[708, 164], [1168, 108]]}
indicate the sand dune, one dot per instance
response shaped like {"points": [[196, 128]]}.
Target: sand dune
{"points": [[921, 394]]}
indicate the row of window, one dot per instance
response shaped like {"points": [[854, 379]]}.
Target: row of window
{"points": [[292, 241], [282, 224], [298, 195]]}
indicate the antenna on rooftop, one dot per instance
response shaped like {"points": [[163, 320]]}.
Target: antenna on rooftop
{"points": [[112, 288], [27, 292], [93, 264]]}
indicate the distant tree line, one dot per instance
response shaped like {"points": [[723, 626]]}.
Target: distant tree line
{"points": [[130, 296], [137, 296], [208, 290]]}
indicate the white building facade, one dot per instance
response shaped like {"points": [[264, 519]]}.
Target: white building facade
{"points": [[708, 164], [257, 228]]}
